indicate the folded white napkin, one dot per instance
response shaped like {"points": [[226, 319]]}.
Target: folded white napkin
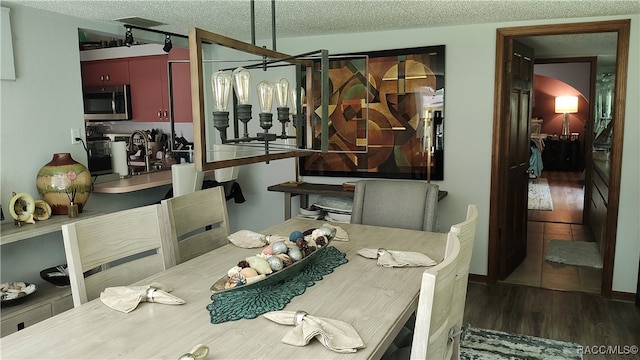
{"points": [[393, 258], [248, 239], [197, 353], [127, 298], [335, 335], [341, 235]]}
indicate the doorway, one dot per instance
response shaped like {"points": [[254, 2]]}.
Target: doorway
{"points": [[498, 237]]}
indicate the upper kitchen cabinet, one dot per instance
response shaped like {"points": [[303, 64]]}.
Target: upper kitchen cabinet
{"points": [[105, 72], [180, 85], [149, 94]]}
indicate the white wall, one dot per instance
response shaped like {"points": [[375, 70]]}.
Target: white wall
{"points": [[469, 69], [39, 108]]}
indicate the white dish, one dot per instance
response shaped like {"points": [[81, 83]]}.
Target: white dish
{"points": [[338, 217], [335, 204], [308, 212]]}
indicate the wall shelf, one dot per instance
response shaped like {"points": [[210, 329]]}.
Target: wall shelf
{"points": [[11, 233]]}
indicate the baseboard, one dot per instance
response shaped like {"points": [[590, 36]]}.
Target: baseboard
{"points": [[623, 296], [478, 278]]}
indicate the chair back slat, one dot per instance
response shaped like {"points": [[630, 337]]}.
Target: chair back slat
{"points": [[196, 223], [430, 336], [126, 246], [466, 232]]}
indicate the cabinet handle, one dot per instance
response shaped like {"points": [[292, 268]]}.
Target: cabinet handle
{"points": [[108, 77], [166, 114], [159, 114], [101, 77]]}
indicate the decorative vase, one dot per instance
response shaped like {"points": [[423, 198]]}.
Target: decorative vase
{"points": [[63, 182]]}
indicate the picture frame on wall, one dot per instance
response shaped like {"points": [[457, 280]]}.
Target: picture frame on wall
{"points": [[380, 118]]}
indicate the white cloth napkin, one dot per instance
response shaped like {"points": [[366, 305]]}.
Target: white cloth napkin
{"points": [[341, 235], [335, 335], [393, 258], [127, 298], [248, 239]]}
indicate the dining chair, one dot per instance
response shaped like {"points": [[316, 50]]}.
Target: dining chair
{"points": [[394, 203], [126, 245], [196, 223], [466, 232], [185, 178], [431, 338]]}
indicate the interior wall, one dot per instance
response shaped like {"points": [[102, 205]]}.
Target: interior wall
{"points": [[44, 103], [545, 90]]}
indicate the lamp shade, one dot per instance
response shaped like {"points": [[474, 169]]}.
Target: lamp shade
{"points": [[566, 104]]}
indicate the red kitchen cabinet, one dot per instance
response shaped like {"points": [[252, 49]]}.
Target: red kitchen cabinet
{"points": [[149, 94], [181, 86], [105, 72]]}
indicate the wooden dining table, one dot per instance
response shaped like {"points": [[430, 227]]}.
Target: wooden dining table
{"points": [[375, 300]]}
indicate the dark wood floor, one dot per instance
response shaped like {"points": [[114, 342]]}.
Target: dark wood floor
{"points": [[567, 194], [588, 320]]}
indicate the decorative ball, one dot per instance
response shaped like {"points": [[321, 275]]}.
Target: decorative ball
{"points": [[295, 254], [275, 263], [327, 231], [279, 247], [295, 235]]}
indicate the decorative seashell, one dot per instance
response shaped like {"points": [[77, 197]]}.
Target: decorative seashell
{"points": [[259, 264], [286, 260], [316, 233], [268, 250], [42, 210], [235, 280], [255, 278], [311, 243], [248, 272], [234, 271]]}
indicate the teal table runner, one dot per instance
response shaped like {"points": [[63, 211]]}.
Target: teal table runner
{"points": [[265, 296]]}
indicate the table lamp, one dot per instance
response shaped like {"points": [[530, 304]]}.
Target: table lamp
{"points": [[566, 105]]}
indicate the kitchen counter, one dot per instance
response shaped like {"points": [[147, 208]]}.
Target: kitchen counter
{"points": [[112, 184], [134, 183]]}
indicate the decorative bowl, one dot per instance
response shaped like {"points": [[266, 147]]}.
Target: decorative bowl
{"points": [[54, 275], [29, 289], [219, 286]]}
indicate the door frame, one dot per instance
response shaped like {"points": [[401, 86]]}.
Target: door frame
{"points": [[498, 173]]}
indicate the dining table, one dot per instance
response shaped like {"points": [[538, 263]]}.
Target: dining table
{"points": [[375, 300]]}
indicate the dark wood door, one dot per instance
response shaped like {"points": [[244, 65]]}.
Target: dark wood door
{"points": [[513, 234]]}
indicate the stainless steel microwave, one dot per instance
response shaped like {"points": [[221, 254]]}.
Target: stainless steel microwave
{"points": [[105, 103]]}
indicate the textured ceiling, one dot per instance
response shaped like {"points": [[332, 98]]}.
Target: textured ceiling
{"points": [[317, 17]]}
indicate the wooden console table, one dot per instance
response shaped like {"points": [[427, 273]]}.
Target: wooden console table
{"points": [[304, 189]]}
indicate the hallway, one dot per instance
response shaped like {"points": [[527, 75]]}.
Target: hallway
{"points": [[563, 223]]}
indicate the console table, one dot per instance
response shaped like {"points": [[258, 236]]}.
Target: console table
{"points": [[304, 189]]}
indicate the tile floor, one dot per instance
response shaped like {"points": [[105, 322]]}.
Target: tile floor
{"points": [[535, 271], [561, 224]]}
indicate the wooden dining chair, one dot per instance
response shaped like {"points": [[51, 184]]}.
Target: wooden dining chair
{"points": [[196, 223], [466, 232], [433, 316], [126, 245], [393, 203]]}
